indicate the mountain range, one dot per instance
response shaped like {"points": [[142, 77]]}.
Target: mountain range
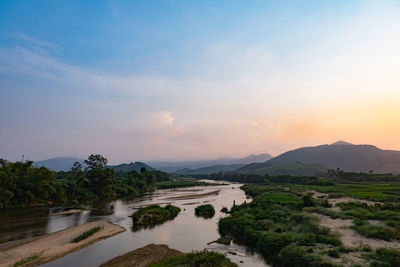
{"points": [[179, 166], [343, 155], [59, 163], [124, 167], [302, 161]]}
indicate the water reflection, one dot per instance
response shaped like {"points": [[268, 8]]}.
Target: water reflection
{"points": [[185, 233]]}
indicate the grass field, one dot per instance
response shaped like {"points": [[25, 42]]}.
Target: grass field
{"points": [[369, 191]]}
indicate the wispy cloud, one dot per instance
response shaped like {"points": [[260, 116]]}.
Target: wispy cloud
{"points": [[234, 98]]}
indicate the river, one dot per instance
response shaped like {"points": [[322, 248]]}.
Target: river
{"points": [[185, 233]]}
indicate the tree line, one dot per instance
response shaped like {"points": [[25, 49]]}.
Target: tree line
{"points": [[22, 184]]}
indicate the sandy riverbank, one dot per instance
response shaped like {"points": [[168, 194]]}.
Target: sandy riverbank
{"points": [[143, 257], [56, 245], [194, 196]]}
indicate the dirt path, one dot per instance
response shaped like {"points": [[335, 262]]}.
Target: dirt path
{"points": [[143, 257], [58, 244]]}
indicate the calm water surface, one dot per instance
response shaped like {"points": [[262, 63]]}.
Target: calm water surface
{"points": [[185, 233]]}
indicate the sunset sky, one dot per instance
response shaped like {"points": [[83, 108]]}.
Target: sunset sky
{"points": [[169, 80]]}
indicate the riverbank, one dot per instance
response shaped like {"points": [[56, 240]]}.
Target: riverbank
{"points": [[52, 246], [162, 256], [143, 257]]}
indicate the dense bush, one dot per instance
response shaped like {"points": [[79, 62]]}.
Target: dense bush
{"points": [[22, 184], [385, 257], [293, 255], [205, 211], [374, 231], [275, 224], [204, 258], [154, 214]]}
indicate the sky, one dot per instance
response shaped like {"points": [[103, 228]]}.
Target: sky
{"points": [[185, 80]]}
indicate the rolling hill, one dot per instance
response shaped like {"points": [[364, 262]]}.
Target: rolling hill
{"points": [[346, 156], [131, 166], [209, 169], [58, 164], [193, 165]]}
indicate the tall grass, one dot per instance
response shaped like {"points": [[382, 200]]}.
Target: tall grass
{"points": [[86, 234]]}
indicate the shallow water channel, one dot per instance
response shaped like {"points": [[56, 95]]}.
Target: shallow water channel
{"points": [[185, 233]]}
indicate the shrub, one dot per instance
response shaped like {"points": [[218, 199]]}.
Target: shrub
{"points": [[154, 214], [225, 210], [390, 256], [206, 211], [26, 260], [334, 253], [374, 231], [293, 255], [204, 258], [86, 234]]}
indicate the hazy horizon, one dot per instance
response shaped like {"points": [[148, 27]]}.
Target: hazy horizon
{"points": [[184, 81]]}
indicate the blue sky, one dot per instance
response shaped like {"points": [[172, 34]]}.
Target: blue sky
{"points": [[144, 80]]}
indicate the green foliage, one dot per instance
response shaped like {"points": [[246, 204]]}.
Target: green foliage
{"points": [[224, 240], [385, 257], [96, 161], [153, 215], [21, 184], [26, 260], [334, 253], [375, 191], [374, 231], [225, 210], [293, 255], [275, 224], [200, 259], [86, 234], [205, 211]]}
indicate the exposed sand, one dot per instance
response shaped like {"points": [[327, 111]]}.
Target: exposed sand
{"points": [[58, 244], [349, 237], [334, 201], [194, 196], [67, 212], [143, 257]]}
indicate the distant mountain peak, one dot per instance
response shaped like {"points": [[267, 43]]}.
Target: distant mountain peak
{"points": [[341, 143]]}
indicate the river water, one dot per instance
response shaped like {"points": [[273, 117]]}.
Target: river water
{"points": [[185, 233]]}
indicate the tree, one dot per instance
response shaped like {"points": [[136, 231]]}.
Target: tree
{"points": [[96, 161], [102, 182]]}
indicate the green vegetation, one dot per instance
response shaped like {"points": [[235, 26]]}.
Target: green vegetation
{"points": [[26, 260], [86, 234], [206, 211], [283, 168], [386, 192], [223, 240], [225, 210], [154, 214], [375, 231], [275, 224], [385, 257], [387, 214], [22, 184], [201, 259]]}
